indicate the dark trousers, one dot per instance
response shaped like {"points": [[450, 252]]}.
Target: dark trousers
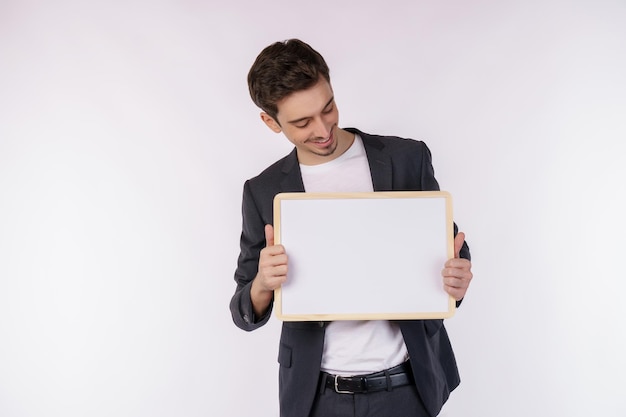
{"points": [[399, 402]]}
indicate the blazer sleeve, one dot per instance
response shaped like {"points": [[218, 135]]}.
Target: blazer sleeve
{"points": [[428, 182], [427, 174], [251, 242]]}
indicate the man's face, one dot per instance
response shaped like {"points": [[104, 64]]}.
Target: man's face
{"points": [[309, 118]]}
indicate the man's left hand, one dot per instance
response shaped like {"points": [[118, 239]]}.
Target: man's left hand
{"points": [[457, 272]]}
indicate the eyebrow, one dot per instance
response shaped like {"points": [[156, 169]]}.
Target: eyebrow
{"points": [[308, 117]]}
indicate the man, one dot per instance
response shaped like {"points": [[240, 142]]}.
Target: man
{"points": [[344, 368]]}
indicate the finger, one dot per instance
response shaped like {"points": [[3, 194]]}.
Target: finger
{"points": [[456, 282], [278, 271], [269, 235], [458, 263], [456, 293], [459, 239]]}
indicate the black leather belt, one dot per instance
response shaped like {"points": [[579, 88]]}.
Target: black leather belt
{"points": [[393, 377]]}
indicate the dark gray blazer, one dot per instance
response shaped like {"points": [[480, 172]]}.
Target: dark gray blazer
{"points": [[396, 164]]}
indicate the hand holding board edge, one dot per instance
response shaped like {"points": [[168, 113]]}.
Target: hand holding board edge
{"points": [[364, 256]]}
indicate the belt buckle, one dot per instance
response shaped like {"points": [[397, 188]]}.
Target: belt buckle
{"points": [[337, 390]]}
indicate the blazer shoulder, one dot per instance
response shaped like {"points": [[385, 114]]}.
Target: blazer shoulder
{"points": [[282, 176], [275, 172], [394, 145]]}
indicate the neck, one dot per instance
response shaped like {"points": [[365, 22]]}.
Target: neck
{"points": [[345, 140]]}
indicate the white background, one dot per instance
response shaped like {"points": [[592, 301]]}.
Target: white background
{"points": [[126, 133]]}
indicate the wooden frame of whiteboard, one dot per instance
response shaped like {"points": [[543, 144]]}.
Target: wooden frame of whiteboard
{"points": [[446, 304]]}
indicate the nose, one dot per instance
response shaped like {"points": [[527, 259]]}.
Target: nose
{"points": [[321, 130]]}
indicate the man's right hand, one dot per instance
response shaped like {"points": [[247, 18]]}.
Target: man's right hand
{"points": [[272, 273]]}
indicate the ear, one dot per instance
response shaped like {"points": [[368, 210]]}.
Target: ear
{"points": [[270, 122]]}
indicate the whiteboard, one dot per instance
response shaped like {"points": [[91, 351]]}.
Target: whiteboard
{"points": [[364, 256]]}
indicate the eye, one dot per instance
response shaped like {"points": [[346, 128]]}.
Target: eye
{"points": [[303, 125], [329, 109]]}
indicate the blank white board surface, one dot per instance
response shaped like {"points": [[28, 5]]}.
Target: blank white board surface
{"points": [[364, 256]]}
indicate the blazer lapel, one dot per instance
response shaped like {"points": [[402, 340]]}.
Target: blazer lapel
{"points": [[379, 161], [292, 180]]}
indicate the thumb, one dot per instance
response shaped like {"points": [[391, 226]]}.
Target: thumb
{"points": [[269, 235], [458, 244]]}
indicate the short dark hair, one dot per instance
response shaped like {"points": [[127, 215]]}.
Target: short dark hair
{"points": [[283, 68]]}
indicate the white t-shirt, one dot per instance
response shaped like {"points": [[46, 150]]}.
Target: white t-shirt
{"points": [[354, 347]]}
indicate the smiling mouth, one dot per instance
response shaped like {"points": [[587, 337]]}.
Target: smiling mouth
{"points": [[322, 142]]}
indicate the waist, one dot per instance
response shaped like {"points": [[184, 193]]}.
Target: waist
{"points": [[384, 380]]}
